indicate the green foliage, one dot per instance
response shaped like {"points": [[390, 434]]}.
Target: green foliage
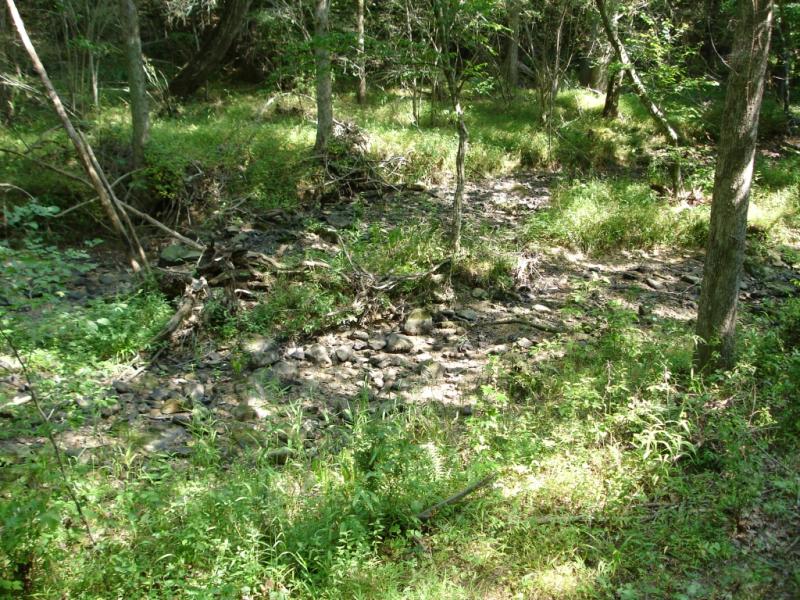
{"points": [[609, 214], [298, 308]]}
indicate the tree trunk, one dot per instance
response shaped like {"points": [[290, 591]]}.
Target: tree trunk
{"points": [[512, 46], [101, 186], [233, 16], [362, 67], [136, 81], [415, 96], [613, 89], [784, 60], [6, 90], [716, 319], [322, 59], [461, 179]]}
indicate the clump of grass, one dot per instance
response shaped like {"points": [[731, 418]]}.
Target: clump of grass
{"points": [[611, 214]]}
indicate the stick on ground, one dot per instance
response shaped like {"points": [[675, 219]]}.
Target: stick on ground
{"points": [[429, 513]]}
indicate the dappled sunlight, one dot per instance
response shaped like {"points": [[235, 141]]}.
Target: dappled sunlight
{"points": [[566, 580]]}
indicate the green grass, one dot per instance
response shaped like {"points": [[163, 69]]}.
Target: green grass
{"points": [[601, 215], [619, 475]]}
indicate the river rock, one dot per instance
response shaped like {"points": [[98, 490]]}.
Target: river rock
{"points": [[318, 354], [419, 322], [467, 314], [399, 344], [377, 343], [344, 353], [263, 351], [177, 254]]}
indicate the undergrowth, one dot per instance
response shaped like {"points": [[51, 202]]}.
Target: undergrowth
{"points": [[620, 474]]}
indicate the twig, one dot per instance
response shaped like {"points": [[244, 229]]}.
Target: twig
{"points": [[162, 227], [49, 430], [47, 165], [429, 513], [66, 211]]}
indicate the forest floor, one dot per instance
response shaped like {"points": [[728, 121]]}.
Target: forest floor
{"points": [[438, 355], [288, 448]]}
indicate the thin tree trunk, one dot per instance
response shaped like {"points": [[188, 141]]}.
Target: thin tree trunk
{"points": [[94, 69], [322, 59], [212, 52], [716, 319], [415, 96], [136, 81], [442, 44], [90, 165], [785, 59], [461, 179], [512, 46], [613, 89], [6, 90], [362, 66]]}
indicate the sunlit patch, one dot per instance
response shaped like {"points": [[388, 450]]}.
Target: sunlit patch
{"points": [[565, 580]]}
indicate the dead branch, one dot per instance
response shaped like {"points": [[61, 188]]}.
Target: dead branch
{"points": [[49, 166], [190, 298], [162, 227], [429, 513]]}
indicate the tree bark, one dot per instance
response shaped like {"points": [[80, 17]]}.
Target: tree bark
{"points": [[136, 81], [212, 52], [6, 90], [362, 66], [716, 319], [512, 46], [613, 90], [784, 60], [322, 59], [99, 182]]}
